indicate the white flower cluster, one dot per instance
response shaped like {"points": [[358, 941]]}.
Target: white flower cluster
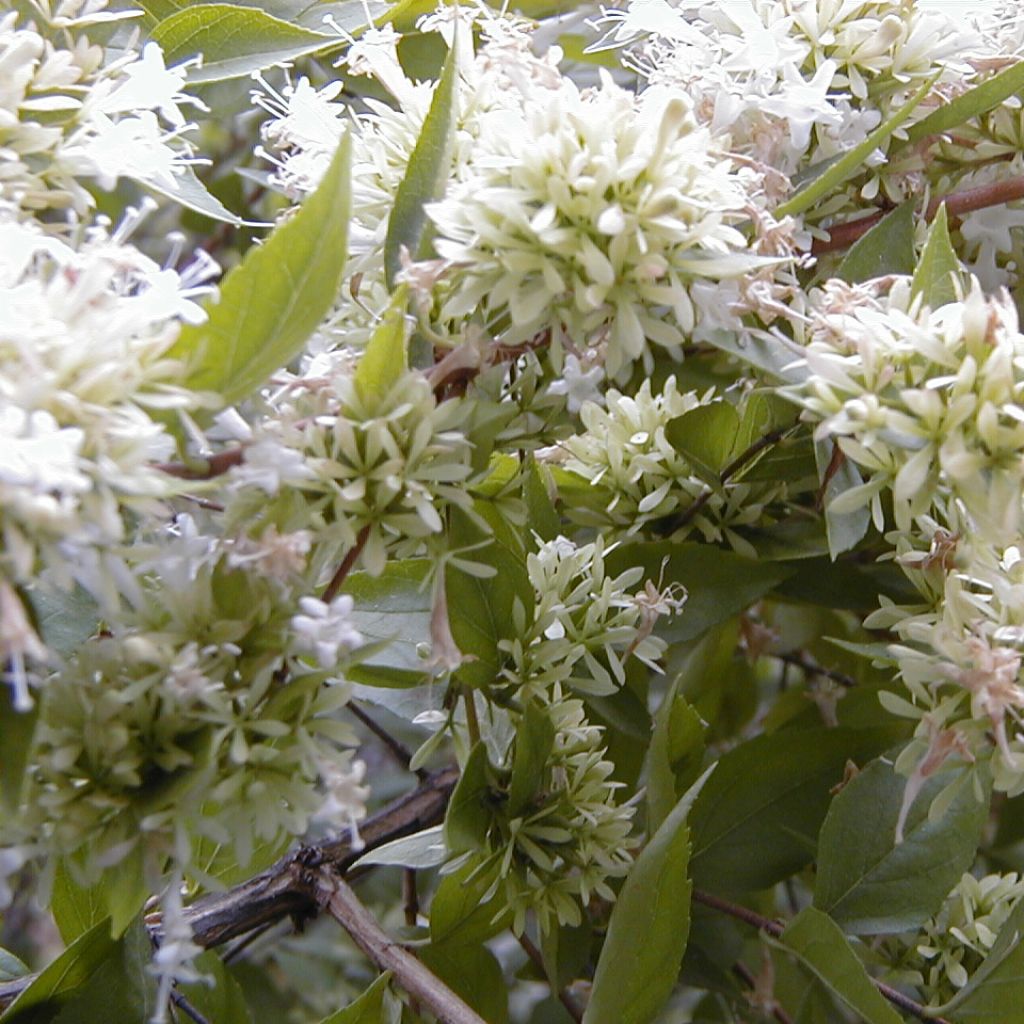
{"points": [[73, 110], [586, 623]]}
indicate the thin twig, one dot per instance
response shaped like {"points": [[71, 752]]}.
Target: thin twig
{"points": [[395, 747], [801, 661], [776, 928], [187, 1008], [690, 512], [338, 579], [343, 905], [410, 897], [234, 951], [206, 468], [747, 977], [841, 236], [538, 961]]}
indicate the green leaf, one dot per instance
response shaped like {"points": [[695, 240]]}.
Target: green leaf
{"points": [[674, 756], [191, 193], [467, 819], [851, 162], [393, 608], [719, 583], [870, 885], [64, 619], [387, 355], [276, 297], [936, 274], [543, 518], [18, 729], [823, 948], [459, 912], [634, 976], [11, 968], [705, 437], [888, 248], [481, 610], [119, 895], [426, 171], [473, 973], [234, 41], [756, 821], [424, 849], [75, 908], [73, 968], [223, 1000], [535, 739], [990, 93], [367, 1008], [775, 356], [845, 530]]}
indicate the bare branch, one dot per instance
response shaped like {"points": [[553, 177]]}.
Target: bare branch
{"points": [[423, 985]]}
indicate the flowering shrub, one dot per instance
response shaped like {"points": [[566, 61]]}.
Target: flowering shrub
{"points": [[571, 454]]}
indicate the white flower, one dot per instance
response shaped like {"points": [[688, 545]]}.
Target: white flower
{"points": [[325, 630], [577, 384]]}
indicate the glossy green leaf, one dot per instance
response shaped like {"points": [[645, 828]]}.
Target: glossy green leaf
{"points": [[426, 172], [472, 973], [535, 739], [990, 93], [888, 248], [368, 1008], [821, 946], [64, 619], [468, 818], [674, 756], [276, 297], [851, 162], [719, 583], [234, 41], [649, 926], [939, 266], [756, 822], [870, 884], [704, 437], [544, 520], [73, 968], [387, 354], [75, 908]]}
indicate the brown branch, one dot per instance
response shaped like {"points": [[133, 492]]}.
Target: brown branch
{"points": [[799, 660], [842, 236], [338, 579], [776, 928], [422, 984], [288, 888], [397, 749], [204, 469]]}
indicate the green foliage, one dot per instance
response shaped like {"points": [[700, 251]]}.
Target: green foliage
{"points": [[756, 821], [939, 268], [887, 248], [426, 174], [276, 297], [386, 357], [634, 978], [369, 1008], [869, 883], [233, 41], [821, 946]]}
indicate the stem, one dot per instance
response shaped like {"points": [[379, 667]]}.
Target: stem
{"points": [[204, 469], [841, 236], [472, 722], [802, 662], [332, 588], [396, 748], [344, 906], [187, 1008], [776, 928], [746, 976], [538, 961]]}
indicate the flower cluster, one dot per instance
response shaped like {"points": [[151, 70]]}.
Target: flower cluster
{"points": [[373, 470], [586, 623], [953, 944], [554, 848], [73, 110], [625, 452]]}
